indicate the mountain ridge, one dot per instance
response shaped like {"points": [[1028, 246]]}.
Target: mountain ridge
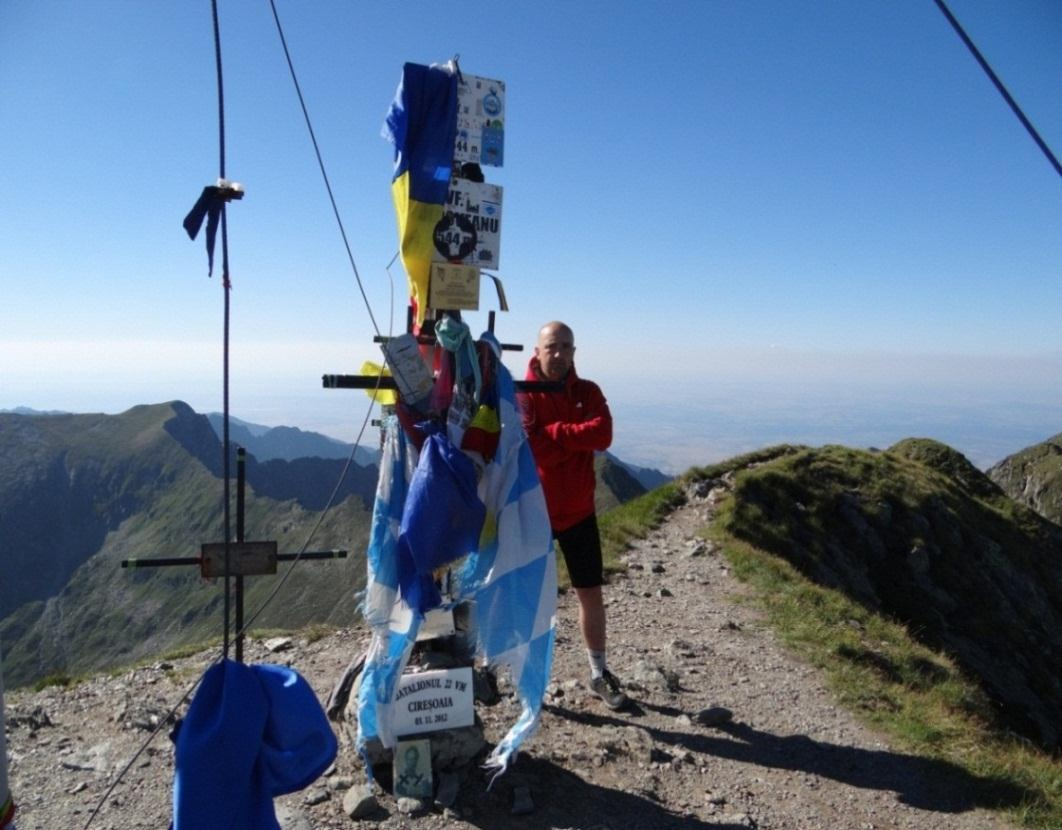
{"points": [[897, 530], [83, 492], [287, 443], [919, 534]]}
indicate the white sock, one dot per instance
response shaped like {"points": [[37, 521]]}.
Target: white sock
{"points": [[598, 663]]}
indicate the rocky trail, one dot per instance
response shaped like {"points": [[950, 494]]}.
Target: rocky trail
{"points": [[689, 652]]}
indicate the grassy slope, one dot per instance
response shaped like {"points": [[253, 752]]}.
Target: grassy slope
{"points": [[915, 694], [107, 615], [907, 534]]}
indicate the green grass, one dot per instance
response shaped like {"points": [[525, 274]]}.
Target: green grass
{"points": [[625, 523], [637, 517], [189, 650], [634, 520], [60, 680], [317, 631], [897, 686]]}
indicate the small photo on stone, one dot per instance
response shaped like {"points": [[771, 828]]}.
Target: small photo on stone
{"points": [[412, 768]]}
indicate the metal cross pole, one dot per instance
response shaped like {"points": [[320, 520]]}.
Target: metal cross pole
{"points": [[385, 382], [239, 559], [370, 382], [241, 487]]}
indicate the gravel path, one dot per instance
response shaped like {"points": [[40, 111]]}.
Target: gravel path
{"points": [[788, 758]]}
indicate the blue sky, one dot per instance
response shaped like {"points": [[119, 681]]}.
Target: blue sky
{"points": [[811, 221]]}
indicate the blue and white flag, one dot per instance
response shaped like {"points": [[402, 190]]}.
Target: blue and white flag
{"points": [[511, 580], [393, 624], [513, 575]]}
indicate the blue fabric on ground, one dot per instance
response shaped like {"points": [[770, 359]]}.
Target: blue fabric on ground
{"points": [[251, 733]]}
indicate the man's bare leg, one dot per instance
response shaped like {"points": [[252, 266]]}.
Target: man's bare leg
{"points": [[592, 624], [592, 617]]}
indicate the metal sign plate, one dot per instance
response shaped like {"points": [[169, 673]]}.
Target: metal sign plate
{"points": [[245, 559], [480, 121], [470, 230]]}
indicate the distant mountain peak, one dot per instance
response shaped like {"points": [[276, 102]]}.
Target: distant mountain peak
{"points": [[287, 443]]}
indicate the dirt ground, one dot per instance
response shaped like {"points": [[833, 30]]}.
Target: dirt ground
{"points": [[682, 643]]}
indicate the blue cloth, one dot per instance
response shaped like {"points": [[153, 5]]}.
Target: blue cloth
{"points": [[513, 575], [251, 733], [441, 519], [421, 123]]}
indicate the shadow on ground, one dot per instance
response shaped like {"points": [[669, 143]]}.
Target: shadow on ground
{"points": [[925, 783], [564, 799]]}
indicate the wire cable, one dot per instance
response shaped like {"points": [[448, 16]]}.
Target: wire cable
{"points": [[320, 164], [226, 286], [328, 186], [395, 370], [158, 728], [999, 86], [226, 283], [320, 519], [247, 625]]}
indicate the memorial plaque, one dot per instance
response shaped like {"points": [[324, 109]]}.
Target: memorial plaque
{"points": [[453, 286], [432, 700]]}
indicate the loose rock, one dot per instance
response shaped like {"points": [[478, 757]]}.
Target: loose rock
{"points": [[359, 802]]}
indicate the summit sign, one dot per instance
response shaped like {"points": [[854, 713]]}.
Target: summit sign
{"points": [[470, 231]]}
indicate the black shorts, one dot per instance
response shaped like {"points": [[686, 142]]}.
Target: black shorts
{"points": [[581, 546]]}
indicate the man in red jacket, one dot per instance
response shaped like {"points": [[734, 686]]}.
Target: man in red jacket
{"points": [[565, 429]]}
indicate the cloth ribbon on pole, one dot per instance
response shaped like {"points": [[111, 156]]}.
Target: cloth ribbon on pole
{"points": [[209, 206]]}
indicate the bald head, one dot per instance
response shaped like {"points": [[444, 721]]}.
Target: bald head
{"points": [[555, 350]]}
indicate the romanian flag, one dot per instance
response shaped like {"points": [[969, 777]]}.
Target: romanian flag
{"points": [[422, 125]]}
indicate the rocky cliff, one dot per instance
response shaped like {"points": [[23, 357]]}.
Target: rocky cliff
{"points": [[1034, 477]]}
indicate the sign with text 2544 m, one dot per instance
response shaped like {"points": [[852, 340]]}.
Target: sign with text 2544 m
{"points": [[432, 700], [470, 229], [480, 121]]}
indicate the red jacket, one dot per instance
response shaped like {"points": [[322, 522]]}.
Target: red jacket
{"points": [[565, 429]]}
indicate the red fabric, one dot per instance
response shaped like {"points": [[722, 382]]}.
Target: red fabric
{"points": [[409, 418], [565, 429]]}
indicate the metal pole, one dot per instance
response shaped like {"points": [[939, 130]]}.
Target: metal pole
{"points": [[7, 806], [241, 488]]}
